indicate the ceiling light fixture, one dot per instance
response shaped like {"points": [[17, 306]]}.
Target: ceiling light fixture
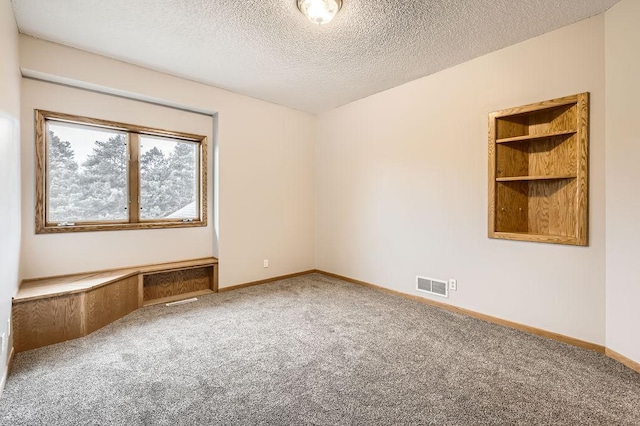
{"points": [[319, 11]]}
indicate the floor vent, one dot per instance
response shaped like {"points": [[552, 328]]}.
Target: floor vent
{"points": [[181, 302], [432, 286]]}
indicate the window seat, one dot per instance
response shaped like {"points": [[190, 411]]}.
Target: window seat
{"points": [[53, 310]]}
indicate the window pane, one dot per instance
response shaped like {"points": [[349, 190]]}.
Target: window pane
{"points": [[168, 178], [87, 173]]}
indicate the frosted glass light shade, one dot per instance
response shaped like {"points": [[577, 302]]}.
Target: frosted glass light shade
{"points": [[319, 11]]}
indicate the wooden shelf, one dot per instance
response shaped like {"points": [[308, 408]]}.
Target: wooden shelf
{"points": [[539, 238], [534, 137], [538, 171], [527, 178]]}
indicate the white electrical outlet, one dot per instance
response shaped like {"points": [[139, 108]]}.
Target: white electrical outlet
{"points": [[266, 263], [453, 284]]}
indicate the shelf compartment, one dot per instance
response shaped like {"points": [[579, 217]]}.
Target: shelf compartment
{"points": [[551, 156], [161, 285], [528, 178], [544, 207], [539, 238], [553, 119], [535, 137]]}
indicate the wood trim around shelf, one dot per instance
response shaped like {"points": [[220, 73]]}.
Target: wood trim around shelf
{"points": [[536, 238], [525, 178], [491, 155], [635, 366], [582, 225], [553, 103], [534, 137]]}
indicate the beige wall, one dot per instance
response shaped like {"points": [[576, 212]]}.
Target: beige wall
{"points": [[58, 254], [401, 184], [266, 197], [622, 38], [9, 170]]}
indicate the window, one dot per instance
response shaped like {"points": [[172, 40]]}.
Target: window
{"points": [[95, 175]]}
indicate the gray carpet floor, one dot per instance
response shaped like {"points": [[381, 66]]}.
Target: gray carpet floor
{"points": [[314, 351]]}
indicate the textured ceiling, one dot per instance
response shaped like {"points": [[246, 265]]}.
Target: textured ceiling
{"points": [[267, 49]]}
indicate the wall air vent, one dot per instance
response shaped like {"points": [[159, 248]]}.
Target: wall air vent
{"points": [[432, 286]]}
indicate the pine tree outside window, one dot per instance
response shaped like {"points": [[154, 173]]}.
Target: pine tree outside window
{"points": [[95, 175]]}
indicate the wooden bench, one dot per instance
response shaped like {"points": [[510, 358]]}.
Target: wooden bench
{"points": [[52, 310]]}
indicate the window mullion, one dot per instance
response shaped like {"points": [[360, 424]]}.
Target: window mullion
{"points": [[134, 177]]}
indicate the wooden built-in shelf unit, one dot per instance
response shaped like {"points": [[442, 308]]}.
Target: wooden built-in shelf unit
{"points": [[538, 171], [166, 286], [55, 309]]}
